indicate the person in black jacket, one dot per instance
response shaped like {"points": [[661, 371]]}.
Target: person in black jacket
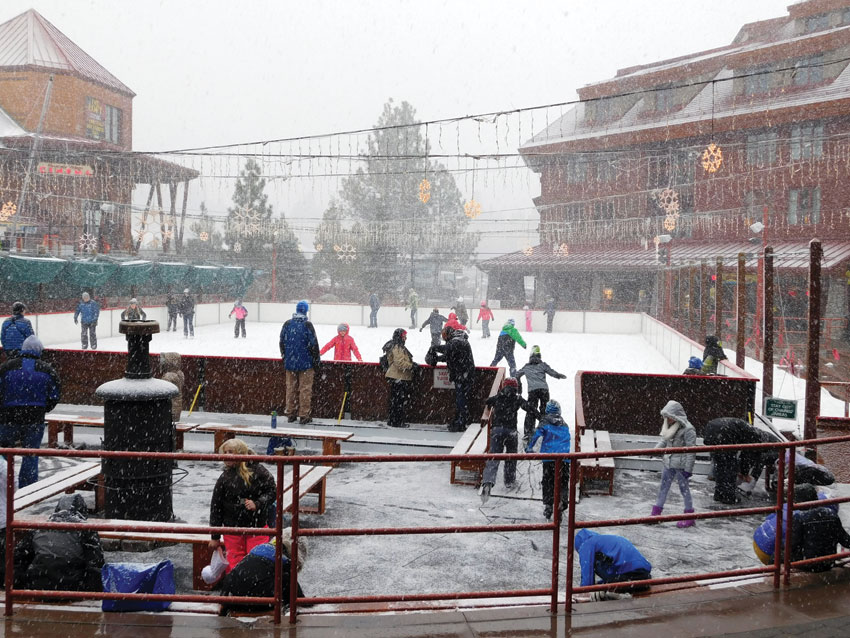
{"points": [[435, 322], [503, 433], [173, 307], [818, 532], [712, 355], [186, 306], [728, 431], [58, 559], [29, 388], [374, 307], [243, 496], [457, 353]]}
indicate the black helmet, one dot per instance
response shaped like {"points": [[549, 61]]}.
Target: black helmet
{"points": [[18, 307]]}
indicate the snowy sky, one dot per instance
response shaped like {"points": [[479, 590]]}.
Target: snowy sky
{"points": [[218, 72]]}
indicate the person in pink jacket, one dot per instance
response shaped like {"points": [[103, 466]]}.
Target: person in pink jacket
{"points": [[241, 312], [343, 345], [527, 318]]}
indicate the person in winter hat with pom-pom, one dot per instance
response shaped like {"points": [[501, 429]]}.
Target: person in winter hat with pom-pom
{"points": [[676, 431], [694, 366], [505, 344], [556, 440]]}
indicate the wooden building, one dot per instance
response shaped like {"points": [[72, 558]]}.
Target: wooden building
{"points": [[67, 170]]}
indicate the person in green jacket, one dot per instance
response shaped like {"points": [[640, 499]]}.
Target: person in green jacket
{"points": [[508, 338], [413, 304]]}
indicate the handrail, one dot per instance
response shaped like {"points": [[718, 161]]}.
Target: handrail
{"points": [[778, 569]]}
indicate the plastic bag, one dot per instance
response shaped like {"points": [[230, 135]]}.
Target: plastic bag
{"points": [[138, 578], [213, 572]]}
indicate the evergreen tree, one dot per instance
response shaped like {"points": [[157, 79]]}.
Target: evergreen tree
{"points": [[248, 218]]}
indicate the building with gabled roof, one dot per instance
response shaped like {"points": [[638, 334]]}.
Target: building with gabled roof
{"points": [[632, 161]]}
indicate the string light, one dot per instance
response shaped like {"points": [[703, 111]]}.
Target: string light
{"points": [[425, 191], [472, 209], [712, 158]]}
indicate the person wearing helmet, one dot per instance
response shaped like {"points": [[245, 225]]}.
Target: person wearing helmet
{"points": [[86, 314], [694, 366], [299, 349], [485, 316], [503, 433], [343, 345], [508, 338], [241, 313], [399, 374], [186, 306], [15, 330], [134, 312], [435, 323], [555, 433]]}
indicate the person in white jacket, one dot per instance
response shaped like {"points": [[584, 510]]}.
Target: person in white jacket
{"points": [[676, 431]]}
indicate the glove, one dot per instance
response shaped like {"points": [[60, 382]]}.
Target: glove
{"points": [[76, 322], [687, 475]]}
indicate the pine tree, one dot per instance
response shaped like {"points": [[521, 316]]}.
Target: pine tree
{"points": [[248, 218]]}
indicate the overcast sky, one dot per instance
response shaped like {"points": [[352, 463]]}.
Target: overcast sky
{"points": [[219, 71]]}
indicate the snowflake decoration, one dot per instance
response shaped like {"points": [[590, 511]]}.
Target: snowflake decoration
{"points": [[7, 210], [247, 220], [712, 158], [167, 234], [319, 247], [563, 250], [237, 247], [204, 236], [670, 223], [528, 250], [87, 242], [346, 252], [425, 191], [668, 200], [472, 209]]}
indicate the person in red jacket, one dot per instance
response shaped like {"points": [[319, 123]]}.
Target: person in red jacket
{"points": [[343, 345], [485, 316]]}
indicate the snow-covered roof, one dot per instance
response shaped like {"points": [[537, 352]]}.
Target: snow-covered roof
{"points": [[29, 39]]}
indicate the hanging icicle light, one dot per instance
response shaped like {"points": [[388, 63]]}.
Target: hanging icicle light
{"points": [[425, 191], [712, 158], [472, 209]]}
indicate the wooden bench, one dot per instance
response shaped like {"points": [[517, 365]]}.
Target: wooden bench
{"points": [[596, 469], [312, 480], [222, 432], [66, 481], [65, 423], [473, 441]]}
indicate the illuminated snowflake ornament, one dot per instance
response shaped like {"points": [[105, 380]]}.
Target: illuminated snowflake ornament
{"points": [[668, 200], [472, 209], [87, 242], [7, 210], [204, 236], [712, 158], [345, 252], [528, 250], [563, 250], [425, 191], [670, 223], [237, 247]]}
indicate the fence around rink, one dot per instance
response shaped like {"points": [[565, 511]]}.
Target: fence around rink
{"points": [[781, 567]]}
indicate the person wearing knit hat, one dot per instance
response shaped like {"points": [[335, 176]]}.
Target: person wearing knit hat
{"points": [[694, 366], [555, 435], [241, 313], [29, 388], [343, 345], [87, 314], [133, 312], [299, 349], [535, 372], [15, 330], [508, 338]]}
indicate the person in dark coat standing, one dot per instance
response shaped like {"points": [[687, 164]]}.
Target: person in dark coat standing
{"points": [[538, 390], [461, 311], [712, 355], [61, 559], [503, 434], [29, 388], [374, 305], [435, 323], [299, 349], [727, 431], [457, 353], [173, 307], [187, 309], [87, 314], [242, 497], [15, 330], [550, 313]]}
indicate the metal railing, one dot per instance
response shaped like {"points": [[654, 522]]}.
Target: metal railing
{"points": [[782, 565]]}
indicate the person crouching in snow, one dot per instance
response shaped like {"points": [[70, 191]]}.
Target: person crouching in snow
{"points": [[538, 390], [241, 313], [343, 345], [676, 431], [508, 338], [556, 440], [503, 435], [612, 558]]}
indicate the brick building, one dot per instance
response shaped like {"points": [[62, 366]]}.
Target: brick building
{"points": [[67, 170], [625, 166]]}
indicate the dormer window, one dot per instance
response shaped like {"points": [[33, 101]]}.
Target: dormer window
{"points": [[817, 23], [758, 81], [808, 71], [665, 99], [600, 110]]}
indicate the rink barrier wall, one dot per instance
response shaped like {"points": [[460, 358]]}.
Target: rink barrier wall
{"points": [[58, 327], [257, 385], [626, 403]]}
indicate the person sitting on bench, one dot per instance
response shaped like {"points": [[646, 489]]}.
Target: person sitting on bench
{"points": [[612, 558]]}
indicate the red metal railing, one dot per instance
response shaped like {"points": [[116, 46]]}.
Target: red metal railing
{"points": [[779, 567]]}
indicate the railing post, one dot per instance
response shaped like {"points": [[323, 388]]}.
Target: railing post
{"points": [[777, 541], [10, 535], [789, 499], [741, 311], [571, 524], [718, 299], [293, 554], [812, 409], [556, 536], [703, 298], [767, 330], [278, 546]]}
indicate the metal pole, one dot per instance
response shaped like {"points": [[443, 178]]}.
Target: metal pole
{"points": [[692, 286], [703, 299], [777, 541], [571, 528], [789, 498], [556, 537], [767, 330], [718, 299], [10, 534], [278, 546], [293, 555], [813, 350], [741, 311]]}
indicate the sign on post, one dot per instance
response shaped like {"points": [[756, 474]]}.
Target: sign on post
{"points": [[441, 379], [780, 408]]}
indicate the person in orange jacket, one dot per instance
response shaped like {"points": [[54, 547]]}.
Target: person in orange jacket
{"points": [[343, 345]]}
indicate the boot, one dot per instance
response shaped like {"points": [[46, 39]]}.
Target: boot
{"points": [[484, 492], [656, 511], [547, 512], [688, 522]]}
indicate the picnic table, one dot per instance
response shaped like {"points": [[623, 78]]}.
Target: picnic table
{"points": [[66, 423], [331, 439]]}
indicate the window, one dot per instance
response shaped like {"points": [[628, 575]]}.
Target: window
{"points": [[603, 210], [757, 81], [600, 110], [845, 16], [817, 23], [576, 171], [808, 71], [804, 206], [665, 99], [606, 170], [112, 125], [806, 141], [761, 149]]}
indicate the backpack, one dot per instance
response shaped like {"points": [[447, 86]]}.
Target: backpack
{"points": [[384, 362]]}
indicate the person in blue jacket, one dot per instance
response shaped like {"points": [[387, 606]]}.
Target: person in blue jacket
{"points": [[764, 537], [29, 388], [14, 330], [556, 440], [88, 310], [299, 349], [612, 558]]}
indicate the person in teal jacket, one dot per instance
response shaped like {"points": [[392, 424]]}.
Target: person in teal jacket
{"points": [[612, 558], [505, 344], [556, 440]]}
